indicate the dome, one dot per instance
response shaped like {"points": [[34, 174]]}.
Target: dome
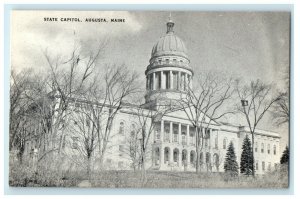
{"points": [[169, 44]]}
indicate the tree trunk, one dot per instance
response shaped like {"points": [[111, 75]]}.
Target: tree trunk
{"points": [[89, 167], [198, 162], [144, 177]]}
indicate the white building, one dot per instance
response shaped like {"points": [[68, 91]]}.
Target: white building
{"points": [[172, 143]]}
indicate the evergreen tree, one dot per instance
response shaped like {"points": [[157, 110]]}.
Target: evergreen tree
{"points": [[231, 166], [285, 156], [246, 166]]}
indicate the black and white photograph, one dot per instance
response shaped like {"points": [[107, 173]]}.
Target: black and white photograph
{"points": [[149, 99]]}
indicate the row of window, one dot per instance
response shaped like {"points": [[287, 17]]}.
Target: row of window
{"points": [[122, 128], [167, 60], [262, 149], [263, 166]]}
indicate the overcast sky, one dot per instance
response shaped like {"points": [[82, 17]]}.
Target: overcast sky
{"points": [[250, 45]]}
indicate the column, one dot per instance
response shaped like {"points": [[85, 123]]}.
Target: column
{"points": [[171, 80], [187, 134], [186, 82], [179, 133], [179, 80], [161, 155], [209, 140], [154, 82], [171, 132], [161, 129], [163, 80], [147, 83], [187, 159], [179, 158], [171, 156]]}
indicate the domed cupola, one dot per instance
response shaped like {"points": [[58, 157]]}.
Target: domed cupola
{"points": [[169, 44], [168, 73]]}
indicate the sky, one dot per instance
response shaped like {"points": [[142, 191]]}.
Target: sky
{"points": [[249, 45]]}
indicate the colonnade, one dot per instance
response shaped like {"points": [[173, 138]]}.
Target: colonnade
{"points": [[168, 79], [172, 132], [184, 158]]}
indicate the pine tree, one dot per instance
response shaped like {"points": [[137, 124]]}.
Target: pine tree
{"points": [[285, 156], [246, 166], [231, 166]]}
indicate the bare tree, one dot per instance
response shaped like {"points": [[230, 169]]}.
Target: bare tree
{"points": [[147, 120], [94, 110], [48, 96], [119, 84], [281, 109], [84, 125], [133, 147], [19, 124], [255, 101], [204, 104]]}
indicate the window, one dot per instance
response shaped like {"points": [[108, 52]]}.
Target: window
{"points": [[75, 142], [262, 147], [132, 133], [183, 137], [167, 134], [256, 165], [263, 165], [207, 158], [207, 133], [121, 129], [108, 161], [269, 166], [274, 149], [206, 143], [175, 136], [216, 142], [120, 165], [268, 148], [121, 148], [192, 137], [157, 133], [224, 143], [201, 158], [256, 146]]}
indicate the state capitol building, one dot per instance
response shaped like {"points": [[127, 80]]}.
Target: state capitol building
{"points": [[172, 145]]}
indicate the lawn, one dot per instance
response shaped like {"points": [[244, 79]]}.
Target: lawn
{"points": [[155, 179]]}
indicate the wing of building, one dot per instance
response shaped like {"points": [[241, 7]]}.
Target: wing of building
{"points": [[172, 145]]}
